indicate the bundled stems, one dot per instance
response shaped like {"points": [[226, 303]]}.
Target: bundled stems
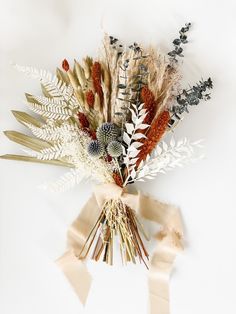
{"points": [[116, 220]]}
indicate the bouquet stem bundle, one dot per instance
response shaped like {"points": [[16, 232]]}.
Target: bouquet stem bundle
{"points": [[116, 220]]}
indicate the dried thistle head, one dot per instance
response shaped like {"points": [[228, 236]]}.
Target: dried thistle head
{"points": [[96, 148], [114, 149], [107, 132]]}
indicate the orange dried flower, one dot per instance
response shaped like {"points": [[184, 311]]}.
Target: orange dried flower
{"points": [[96, 77], [90, 133], [117, 179], [89, 96], [154, 135], [148, 99], [85, 125], [83, 120], [65, 65], [108, 158]]}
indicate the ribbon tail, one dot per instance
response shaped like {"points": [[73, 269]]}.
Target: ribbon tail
{"points": [[169, 244], [158, 281], [74, 268], [76, 273]]}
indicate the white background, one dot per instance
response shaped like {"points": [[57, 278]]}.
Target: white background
{"points": [[33, 223]]}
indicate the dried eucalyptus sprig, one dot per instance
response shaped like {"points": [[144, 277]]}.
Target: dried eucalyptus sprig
{"points": [[190, 97], [132, 76], [177, 51], [115, 44]]}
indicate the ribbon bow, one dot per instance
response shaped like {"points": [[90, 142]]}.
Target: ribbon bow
{"points": [[169, 243]]}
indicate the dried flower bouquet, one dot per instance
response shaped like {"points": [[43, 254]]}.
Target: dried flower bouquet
{"points": [[106, 119]]}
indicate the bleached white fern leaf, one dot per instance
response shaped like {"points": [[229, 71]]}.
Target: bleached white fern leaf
{"points": [[52, 132], [53, 85], [66, 181], [50, 102], [34, 73], [166, 157], [58, 88], [72, 147], [53, 152], [131, 138], [51, 112]]}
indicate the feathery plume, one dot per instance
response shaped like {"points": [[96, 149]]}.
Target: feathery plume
{"points": [[96, 77], [154, 135], [90, 98], [148, 99]]}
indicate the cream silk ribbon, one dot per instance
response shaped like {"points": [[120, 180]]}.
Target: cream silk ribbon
{"points": [[169, 243]]}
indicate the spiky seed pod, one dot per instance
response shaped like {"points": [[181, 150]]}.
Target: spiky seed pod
{"points": [[114, 149], [95, 148], [107, 132]]}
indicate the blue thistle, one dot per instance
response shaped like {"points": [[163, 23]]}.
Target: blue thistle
{"points": [[95, 148], [114, 149], [108, 132]]}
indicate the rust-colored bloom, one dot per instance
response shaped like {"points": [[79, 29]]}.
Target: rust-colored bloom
{"points": [[91, 133], [154, 135], [89, 96], [83, 120], [84, 123], [148, 99], [65, 65], [96, 77], [117, 179], [108, 158]]}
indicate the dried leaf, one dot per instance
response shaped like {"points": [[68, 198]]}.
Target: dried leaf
{"points": [[129, 128], [126, 138], [138, 136]]}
